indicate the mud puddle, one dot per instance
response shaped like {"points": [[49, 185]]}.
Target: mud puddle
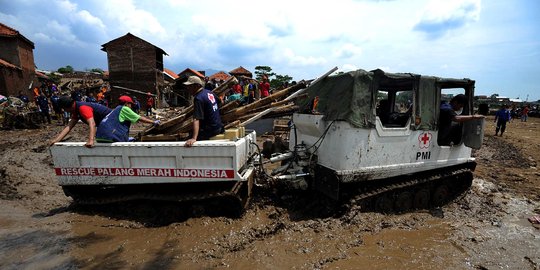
{"points": [[467, 234]]}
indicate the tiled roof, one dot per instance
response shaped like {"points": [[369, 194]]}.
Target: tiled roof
{"points": [[8, 64], [240, 70], [170, 73], [192, 71], [220, 76], [7, 31], [10, 32]]}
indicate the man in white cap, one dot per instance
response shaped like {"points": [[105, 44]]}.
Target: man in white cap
{"points": [[206, 118]]}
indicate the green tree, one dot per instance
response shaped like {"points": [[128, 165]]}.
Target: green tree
{"points": [[280, 80], [261, 71], [66, 69], [97, 70], [55, 78]]}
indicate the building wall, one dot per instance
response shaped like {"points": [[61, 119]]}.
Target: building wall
{"points": [[26, 59], [19, 53], [8, 50], [11, 82]]}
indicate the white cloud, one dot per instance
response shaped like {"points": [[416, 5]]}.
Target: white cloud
{"points": [[88, 18], [126, 17], [348, 67], [442, 10], [347, 50], [297, 60], [66, 6]]}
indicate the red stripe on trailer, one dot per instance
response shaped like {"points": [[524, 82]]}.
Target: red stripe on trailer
{"points": [[146, 172]]}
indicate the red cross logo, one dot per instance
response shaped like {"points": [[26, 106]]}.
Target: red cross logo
{"points": [[424, 139], [211, 98]]}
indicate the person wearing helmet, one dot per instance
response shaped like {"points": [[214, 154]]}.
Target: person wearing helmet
{"points": [[115, 126], [90, 113], [206, 118]]}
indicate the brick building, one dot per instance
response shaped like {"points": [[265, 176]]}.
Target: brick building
{"points": [[134, 64], [17, 67]]}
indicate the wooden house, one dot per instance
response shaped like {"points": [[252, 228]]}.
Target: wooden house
{"points": [[135, 67]]}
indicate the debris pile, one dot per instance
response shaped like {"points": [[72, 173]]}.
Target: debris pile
{"points": [[233, 114], [15, 113]]}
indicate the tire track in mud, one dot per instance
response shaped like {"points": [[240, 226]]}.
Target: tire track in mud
{"points": [[302, 237], [236, 241]]}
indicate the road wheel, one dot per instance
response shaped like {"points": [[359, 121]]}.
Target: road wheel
{"points": [[384, 204], [441, 195], [404, 201], [421, 199]]}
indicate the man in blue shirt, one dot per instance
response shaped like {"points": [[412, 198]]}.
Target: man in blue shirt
{"points": [[450, 117], [501, 117], [206, 118], [43, 105]]}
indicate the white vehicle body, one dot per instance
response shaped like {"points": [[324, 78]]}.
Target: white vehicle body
{"points": [[378, 152], [126, 163]]}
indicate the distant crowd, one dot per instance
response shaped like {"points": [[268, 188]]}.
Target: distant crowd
{"points": [[247, 90]]}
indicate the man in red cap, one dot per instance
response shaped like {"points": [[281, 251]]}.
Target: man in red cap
{"points": [[115, 126]]}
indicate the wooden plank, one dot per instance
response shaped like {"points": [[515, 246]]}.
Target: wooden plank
{"points": [[160, 137], [233, 124], [269, 99], [229, 106]]}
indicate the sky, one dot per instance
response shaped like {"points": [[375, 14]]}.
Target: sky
{"points": [[496, 43]]}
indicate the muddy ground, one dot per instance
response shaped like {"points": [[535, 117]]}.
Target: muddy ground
{"points": [[485, 229]]}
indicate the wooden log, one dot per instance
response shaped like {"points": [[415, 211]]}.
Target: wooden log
{"points": [[133, 90], [187, 126], [171, 122], [269, 99], [224, 87], [159, 137], [283, 112], [229, 106], [233, 124], [293, 95], [257, 116]]}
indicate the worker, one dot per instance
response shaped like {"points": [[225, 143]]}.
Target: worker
{"points": [[115, 126], [449, 119], [149, 103], [206, 118], [90, 113]]}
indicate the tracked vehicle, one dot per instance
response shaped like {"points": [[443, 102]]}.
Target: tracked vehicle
{"points": [[373, 137]]}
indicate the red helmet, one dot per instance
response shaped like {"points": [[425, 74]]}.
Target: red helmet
{"points": [[125, 99]]}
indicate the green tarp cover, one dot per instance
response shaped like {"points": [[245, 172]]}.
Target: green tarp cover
{"points": [[347, 96]]}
